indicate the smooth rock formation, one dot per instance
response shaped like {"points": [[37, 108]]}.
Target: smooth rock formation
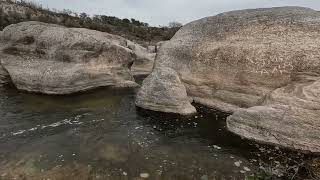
{"points": [[144, 61], [52, 59], [290, 117], [163, 91], [262, 64]]}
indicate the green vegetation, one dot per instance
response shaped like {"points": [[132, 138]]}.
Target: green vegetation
{"points": [[260, 176], [12, 12]]}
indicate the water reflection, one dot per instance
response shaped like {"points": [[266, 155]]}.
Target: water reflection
{"points": [[101, 135]]}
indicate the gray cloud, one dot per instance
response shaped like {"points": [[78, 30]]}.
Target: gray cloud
{"points": [[160, 12]]}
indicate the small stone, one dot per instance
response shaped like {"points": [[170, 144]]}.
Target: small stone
{"points": [[144, 175], [125, 173], [242, 172], [246, 169], [238, 163]]}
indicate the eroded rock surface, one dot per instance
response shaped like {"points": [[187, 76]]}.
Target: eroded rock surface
{"points": [[266, 60], [163, 91], [52, 59], [3, 75], [289, 117], [144, 61]]}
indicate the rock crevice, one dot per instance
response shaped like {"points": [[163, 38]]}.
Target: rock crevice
{"points": [[4, 76]]}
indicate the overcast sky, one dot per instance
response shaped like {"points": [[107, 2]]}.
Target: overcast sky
{"points": [[161, 12]]}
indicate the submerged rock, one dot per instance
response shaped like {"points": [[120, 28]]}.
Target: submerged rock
{"points": [[53, 59], [262, 64]]}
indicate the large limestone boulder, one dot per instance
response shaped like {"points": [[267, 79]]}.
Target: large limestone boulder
{"points": [[263, 65], [52, 59]]}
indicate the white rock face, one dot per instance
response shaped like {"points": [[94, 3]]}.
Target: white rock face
{"points": [[261, 64], [52, 59]]}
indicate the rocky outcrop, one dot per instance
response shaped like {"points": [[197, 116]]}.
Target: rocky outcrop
{"points": [[152, 49], [144, 61], [156, 47], [262, 65], [52, 59], [290, 117], [163, 91]]}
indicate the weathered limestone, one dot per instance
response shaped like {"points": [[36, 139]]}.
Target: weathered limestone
{"points": [[261, 64], [144, 61], [289, 117], [163, 91], [52, 59]]}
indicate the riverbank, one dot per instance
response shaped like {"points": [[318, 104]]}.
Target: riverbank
{"points": [[102, 135]]}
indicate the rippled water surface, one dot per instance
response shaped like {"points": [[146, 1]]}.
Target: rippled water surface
{"points": [[102, 135]]}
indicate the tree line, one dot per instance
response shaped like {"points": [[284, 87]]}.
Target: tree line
{"points": [[10, 13]]}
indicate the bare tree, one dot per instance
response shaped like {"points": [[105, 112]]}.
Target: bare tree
{"points": [[174, 24], [66, 12]]}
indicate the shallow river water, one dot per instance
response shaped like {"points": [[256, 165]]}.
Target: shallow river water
{"points": [[102, 135]]}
